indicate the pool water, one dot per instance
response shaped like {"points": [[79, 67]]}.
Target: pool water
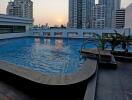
{"points": [[46, 55]]}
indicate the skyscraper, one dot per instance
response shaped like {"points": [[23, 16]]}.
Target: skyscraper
{"points": [[89, 8], [111, 7], [20, 8], [119, 18], [128, 17], [98, 20], [80, 13]]}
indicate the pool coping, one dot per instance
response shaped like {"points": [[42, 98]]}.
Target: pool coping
{"points": [[88, 70]]}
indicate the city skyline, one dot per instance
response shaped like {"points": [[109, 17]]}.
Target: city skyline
{"points": [[49, 11]]}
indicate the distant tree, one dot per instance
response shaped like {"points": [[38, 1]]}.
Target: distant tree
{"points": [[115, 40], [62, 26], [101, 42], [125, 42]]}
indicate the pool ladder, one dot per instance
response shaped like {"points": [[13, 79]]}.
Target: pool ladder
{"points": [[83, 46]]}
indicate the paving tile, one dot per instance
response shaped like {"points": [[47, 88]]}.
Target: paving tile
{"points": [[113, 84], [4, 97], [8, 92], [129, 97]]}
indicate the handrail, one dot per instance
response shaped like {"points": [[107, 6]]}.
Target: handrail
{"points": [[83, 45]]}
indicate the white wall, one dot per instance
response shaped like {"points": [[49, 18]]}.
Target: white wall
{"points": [[79, 31], [13, 35], [64, 32], [15, 21], [128, 17]]}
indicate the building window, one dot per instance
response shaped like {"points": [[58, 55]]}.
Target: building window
{"points": [[12, 29]]}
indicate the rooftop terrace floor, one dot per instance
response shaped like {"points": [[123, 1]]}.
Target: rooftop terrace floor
{"points": [[115, 84], [8, 92]]}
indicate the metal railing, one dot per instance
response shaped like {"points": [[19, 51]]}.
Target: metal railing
{"points": [[94, 43]]}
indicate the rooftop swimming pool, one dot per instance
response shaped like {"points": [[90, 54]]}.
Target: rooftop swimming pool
{"points": [[46, 55]]}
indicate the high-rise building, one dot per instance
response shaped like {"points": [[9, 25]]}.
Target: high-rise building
{"points": [[89, 8], [98, 20], [20, 8], [119, 18], [80, 13], [111, 7], [128, 17]]}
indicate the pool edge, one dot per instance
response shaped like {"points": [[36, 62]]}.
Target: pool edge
{"points": [[88, 69]]}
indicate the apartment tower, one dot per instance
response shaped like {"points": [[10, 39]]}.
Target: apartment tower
{"points": [[20, 8], [98, 20], [111, 7], [80, 13], [119, 19]]}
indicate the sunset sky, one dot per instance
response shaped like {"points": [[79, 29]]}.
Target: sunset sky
{"points": [[54, 12]]}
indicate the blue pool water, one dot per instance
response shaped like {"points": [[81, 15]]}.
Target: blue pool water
{"points": [[49, 56]]}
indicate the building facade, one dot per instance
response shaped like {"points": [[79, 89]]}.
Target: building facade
{"points": [[11, 24], [128, 17], [98, 20], [80, 13], [119, 18], [111, 7], [20, 8]]}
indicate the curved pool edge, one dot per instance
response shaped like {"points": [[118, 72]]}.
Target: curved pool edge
{"points": [[87, 71]]}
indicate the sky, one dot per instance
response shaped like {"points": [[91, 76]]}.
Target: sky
{"points": [[53, 12]]}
